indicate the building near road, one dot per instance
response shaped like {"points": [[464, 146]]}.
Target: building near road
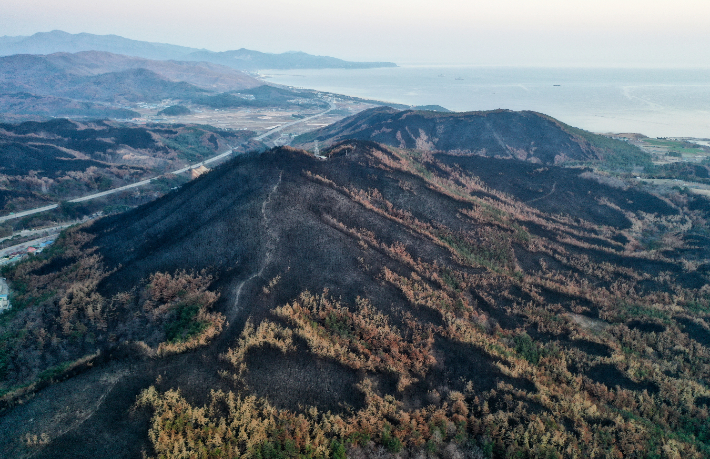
{"points": [[21, 251], [4, 296]]}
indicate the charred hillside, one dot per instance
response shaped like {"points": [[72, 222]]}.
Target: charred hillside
{"points": [[524, 135], [59, 160], [376, 301]]}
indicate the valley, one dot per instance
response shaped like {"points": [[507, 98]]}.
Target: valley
{"points": [[292, 122]]}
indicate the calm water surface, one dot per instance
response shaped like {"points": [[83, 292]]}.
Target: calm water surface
{"points": [[655, 102]]}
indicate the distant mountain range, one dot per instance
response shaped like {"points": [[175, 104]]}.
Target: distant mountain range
{"points": [[242, 59], [93, 76], [204, 75], [82, 84]]}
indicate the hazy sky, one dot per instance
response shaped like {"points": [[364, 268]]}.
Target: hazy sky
{"points": [[496, 32]]}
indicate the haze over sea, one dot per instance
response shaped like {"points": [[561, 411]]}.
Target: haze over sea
{"points": [[654, 102]]}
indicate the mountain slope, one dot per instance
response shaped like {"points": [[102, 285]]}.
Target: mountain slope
{"points": [[201, 74], [379, 300], [522, 135], [19, 105]]}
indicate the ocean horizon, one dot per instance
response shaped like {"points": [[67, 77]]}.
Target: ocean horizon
{"points": [[653, 102]]}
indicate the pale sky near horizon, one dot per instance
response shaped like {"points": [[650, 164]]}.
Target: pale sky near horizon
{"points": [[648, 33]]}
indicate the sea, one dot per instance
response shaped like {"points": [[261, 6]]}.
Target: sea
{"points": [[653, 102]]}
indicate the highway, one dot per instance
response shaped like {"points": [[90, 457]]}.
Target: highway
{"points": [[25, 213], [283, 126], [113, 190], [40, 231]]}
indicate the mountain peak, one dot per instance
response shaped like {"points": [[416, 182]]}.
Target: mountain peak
{"points": [[523, 135], [55, 33]]}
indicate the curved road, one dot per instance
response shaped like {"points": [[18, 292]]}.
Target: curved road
{"points": [[179, 171]]}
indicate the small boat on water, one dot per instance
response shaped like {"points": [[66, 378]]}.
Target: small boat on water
{"points": [[459, 79]]}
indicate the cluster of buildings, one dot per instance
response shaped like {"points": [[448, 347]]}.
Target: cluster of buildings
{"points": [[19, 254]]}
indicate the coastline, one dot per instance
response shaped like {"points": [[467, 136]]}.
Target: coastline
{"points": [[654, 102]]}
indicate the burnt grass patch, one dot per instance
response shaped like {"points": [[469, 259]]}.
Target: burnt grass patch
{"points": [[567, 301], [695, 331], [596, 241], [653, 267], [601, 422], [620, 238], [56, 264], [540, 230], [646, 327], [559, 190], [702, 401], [458, 363], [588, 347], [497, 312], [611, 377], [650, 286], [531, 262], [297, 379], [115, 430], [694, 248]]}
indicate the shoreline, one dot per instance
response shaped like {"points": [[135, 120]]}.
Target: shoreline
{"points": [[595, 99]]}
